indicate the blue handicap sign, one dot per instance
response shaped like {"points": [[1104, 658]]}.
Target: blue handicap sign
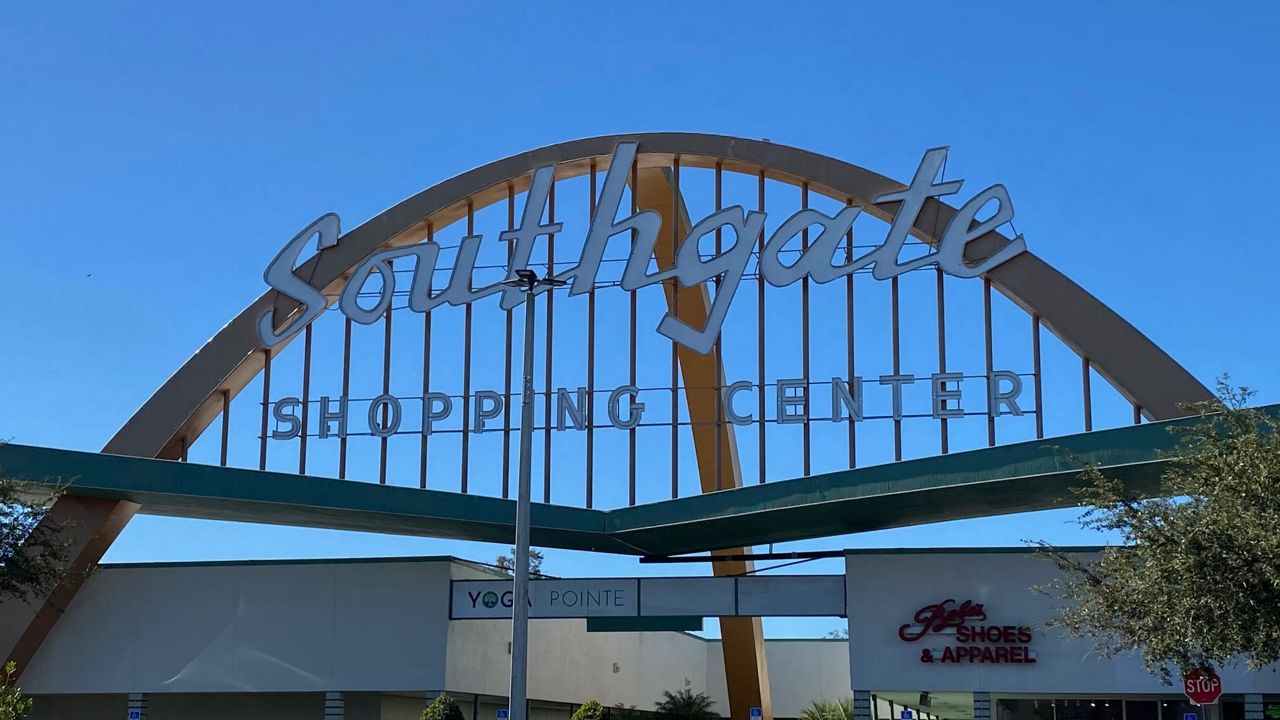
{"points": [[906, 714], [502, 714], [1191, 716], [135, 715], [756, 712]]}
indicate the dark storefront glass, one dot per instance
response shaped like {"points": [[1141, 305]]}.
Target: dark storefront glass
{"points": [[1141, 710], [1024, 710], [1177, 709], [1089, 709]]}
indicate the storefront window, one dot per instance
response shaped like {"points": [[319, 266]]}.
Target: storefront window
{"points": [[1089, 709], [1141, 710], [1024, 710], [1177, 709]]}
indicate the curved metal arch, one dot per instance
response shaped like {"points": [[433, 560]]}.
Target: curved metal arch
{"points": [[185, 405]]}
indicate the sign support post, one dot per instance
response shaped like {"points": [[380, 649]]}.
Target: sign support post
{"points": [[527, 281]]}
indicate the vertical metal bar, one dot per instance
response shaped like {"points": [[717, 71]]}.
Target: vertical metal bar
{"points": [[761, 420], [306, 399], [719, 347], [1088, 395], [1137, 414], [804, 332], [386, 390], [426, 373], [631, 344], [675, 364], [507, 399], [466, 372], [591, 361], [986, 325], [266, 401], [848, 297], [346, 395], [897, 361], [1035, 369], [182, 447], [944, 438], [549, 342], [226, 426]]}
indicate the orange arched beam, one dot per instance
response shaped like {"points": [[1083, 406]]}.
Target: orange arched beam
{"points": [[189, 400], [186, 404]]}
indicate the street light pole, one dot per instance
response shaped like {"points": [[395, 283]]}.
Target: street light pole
{"points": [[527, 281]]}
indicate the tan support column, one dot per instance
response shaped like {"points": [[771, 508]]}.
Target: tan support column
{"points": [[89, 526], [746, 672]]}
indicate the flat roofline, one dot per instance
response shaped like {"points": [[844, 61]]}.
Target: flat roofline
{"points": [[973, 550], [299, 561], [483, 566]]}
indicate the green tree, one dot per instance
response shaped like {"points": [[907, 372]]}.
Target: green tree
{"points": [[623, 712], [32, 558], [13, 706], [32, 562], [507, 563], [685, 705], [828, 710], [442, 708], [590, 710], [1196, 582]]}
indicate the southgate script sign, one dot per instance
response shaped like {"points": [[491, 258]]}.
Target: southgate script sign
{"points": [[690, 268]]}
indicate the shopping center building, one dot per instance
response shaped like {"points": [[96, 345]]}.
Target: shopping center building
{"points": [[273, 639], [731, 366]]}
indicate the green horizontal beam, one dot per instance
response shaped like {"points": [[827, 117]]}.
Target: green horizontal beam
{"points": [[179, 489], [1019, 477]]}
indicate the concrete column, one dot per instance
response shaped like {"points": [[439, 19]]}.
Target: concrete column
{"points": [[1252, 707], [862, 705], [335, 706], [137, 706], [981, 706]]}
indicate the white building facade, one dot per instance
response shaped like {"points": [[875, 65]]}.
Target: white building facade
{"points": [[942, 634]]}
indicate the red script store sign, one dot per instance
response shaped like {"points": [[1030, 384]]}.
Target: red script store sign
{"points": [[969, 639]]}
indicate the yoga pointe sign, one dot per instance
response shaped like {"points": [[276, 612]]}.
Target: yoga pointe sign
{"points": [[818, 261]]}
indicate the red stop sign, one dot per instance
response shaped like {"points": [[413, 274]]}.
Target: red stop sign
{"points": [[1203, 686]]}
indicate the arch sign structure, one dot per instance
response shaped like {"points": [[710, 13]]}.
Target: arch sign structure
{"points": [[711, 337]]}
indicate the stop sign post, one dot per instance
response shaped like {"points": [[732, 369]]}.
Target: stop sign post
{"points": [[1202, 687]]}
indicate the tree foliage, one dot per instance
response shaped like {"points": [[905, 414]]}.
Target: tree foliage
{"points": [[590, 710], [841, 709], [685, 705], [13, 706], [1196, 582], [443, 708], [623, 712], [507, 563], [32, 557]]}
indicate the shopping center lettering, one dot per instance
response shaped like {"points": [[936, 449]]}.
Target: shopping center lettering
{"points": [[794, 402]]}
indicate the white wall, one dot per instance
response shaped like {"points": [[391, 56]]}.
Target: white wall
{"points": [[250, 628], [885, 590], [800, 671], [568, 664]]}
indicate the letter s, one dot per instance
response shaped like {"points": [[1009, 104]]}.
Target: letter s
{"points": [[279, 275]]}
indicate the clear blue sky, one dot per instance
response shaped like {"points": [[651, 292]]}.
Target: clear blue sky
{"points": [[155, 156]]}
